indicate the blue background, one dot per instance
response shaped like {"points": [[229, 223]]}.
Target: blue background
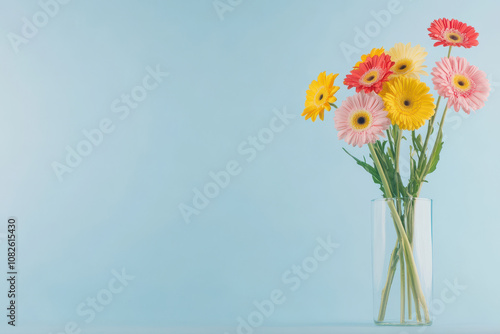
{"points": [[227, 77]]}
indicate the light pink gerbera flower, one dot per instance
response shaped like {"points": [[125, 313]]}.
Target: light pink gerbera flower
{"points": [[361, 119], [464, 85]]}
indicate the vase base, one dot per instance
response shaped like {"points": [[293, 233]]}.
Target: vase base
{"points": [[405, 324]]}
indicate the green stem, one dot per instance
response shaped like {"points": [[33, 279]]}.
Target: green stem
{"points": [[410, 261], [429, 131], [417, 306], [395, 252], [430, 126], [402, 272], [388, 282], [409, 231], [438, 140], [440, 132], [389, 139], [402, 235], [409, 291], [401, 256], [398, 148], [396, 163]]}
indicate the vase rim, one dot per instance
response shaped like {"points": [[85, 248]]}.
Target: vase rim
{"points": [[383, 199]]}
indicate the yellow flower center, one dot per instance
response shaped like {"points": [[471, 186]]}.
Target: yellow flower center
{"points": [[321, 96], [402, 67], [453, 36], [461, 82], [369, 77], [360, 120]]}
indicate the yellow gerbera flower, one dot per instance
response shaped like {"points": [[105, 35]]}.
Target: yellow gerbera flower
{"points": [[408, 102], [373, 52], [319, 96], [408, 61]]}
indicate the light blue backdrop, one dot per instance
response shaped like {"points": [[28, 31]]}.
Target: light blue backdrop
{"points": [[233, 66]]}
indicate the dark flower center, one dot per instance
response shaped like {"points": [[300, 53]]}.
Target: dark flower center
{"points": [[407, 103], [321, 97], [370, 78], [454, 37], [461, 83], [361, 120], [402, 67]]}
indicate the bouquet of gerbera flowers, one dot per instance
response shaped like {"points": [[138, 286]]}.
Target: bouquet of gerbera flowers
{"points": [[389, 100]]}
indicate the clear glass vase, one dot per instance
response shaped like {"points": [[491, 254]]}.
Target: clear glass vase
{"points": [[402, 261]]}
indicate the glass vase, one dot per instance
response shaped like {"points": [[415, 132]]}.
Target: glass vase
{"points": [[402, 261]]}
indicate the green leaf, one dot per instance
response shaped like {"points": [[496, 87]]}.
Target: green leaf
{"points": [[388, 165], [383, 144], [435, 158], [423, 164], [370, 169], [417, 141]]}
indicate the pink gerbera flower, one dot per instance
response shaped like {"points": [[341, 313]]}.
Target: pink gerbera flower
{"points": [[453, 33], [464, 85], [361, 119], [371, 74]]}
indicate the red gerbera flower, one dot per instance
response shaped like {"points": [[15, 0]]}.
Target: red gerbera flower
{"points": [[371, 74], [453, 33]]}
